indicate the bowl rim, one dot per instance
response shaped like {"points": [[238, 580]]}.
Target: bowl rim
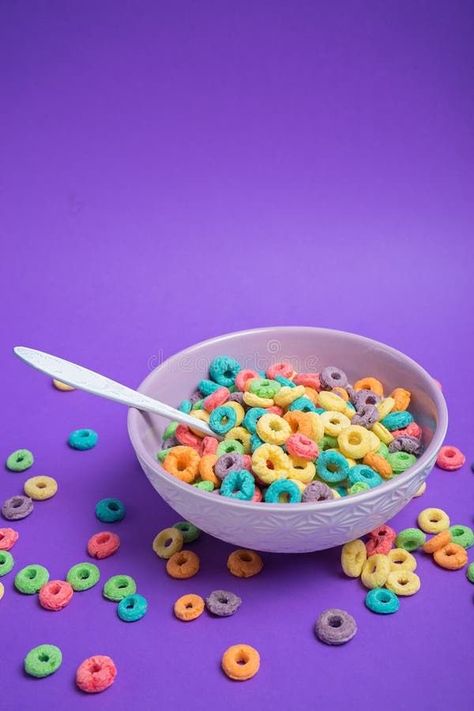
{"points": [[438, 436]]}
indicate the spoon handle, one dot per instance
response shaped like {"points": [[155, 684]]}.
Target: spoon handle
{"points": [[97, 384]]}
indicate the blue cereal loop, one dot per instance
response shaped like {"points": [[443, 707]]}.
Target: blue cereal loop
{"points": [[304, 404], [110, 510], [363, 473], [132, 608], [185, 406], [223, 370], [251, 417], [238, 484], [83, 439], [280, 488], [397, 420], [332, 467], [255, 442], [382, 601], [284, 382], [222, 419], [206, 387]]}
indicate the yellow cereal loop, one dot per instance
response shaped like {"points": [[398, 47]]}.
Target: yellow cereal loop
{"points": [[311, 394], [374, 441], [241, 435], [334, 422], [199, 415], [353, 557], [330, 401], [433, 520], [253, 400], [300, 484], [420, 491], [403, 582], [273, 429], [316, 425], [401, 559], [354, 442], [2, 590], [336, 494], [59, 385], [341, 392], [40, 488], [375, 571], [286, 395], [238, 409], [382, 433], [385, 406], [270, 462], [301, 470]]}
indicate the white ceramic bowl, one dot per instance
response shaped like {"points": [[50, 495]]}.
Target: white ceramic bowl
{"points": [[290, 528]]}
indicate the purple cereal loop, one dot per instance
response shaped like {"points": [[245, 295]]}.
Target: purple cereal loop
{"points": [[195, 397], [237, 397], [332, 377], [223, 603], [17, 507], [335, 626], [169, 442], [228, 463], [362, 398], [316, 491], [366, 416], [405, 443]]}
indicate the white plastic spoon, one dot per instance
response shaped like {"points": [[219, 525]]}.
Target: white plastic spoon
{"points": [[92, 382]]}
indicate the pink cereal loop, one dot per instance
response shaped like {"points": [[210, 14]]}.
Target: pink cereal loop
{"points": [[450, 458], [247, 462], [103, 544], [243, 376], [96, 674], [55, 595], [8, 538], [298, 445], [412, 430], [185, 437], [383, 531], [257, 496], [208, 445], [285, 370], [275, 410], [379, 545], [309, 380], [216, 399]]}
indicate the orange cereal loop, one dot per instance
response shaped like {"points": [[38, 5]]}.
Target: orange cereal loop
{"points": [[206, 469], [402, 399], [244, 563], [311, 394], [451, 556], [436, 542], [183, 463], [240, 662], [378, 464], [183, 565], [299, 424], [369, 384], [341, 392], [188, 607]]}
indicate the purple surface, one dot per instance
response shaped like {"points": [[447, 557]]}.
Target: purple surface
{"points": [[172, 172]]}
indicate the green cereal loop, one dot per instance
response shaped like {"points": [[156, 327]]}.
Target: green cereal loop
{"points": [[83, 576], [163, 453], [189, 530], [230, 446], [20, 460], [264, 388], [31, 578], [410, 539], [204, 485], [198, 404], [462, 535], [383, 450], [358, 487], [400, 461], [6, 562], [170, 430], [327, 442], [43, 660], [119, 586], [470, 572]]}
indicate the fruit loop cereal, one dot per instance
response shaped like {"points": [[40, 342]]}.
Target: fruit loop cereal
{"points": [[451, 556], [8, 538], [240, 662], [132, 608], [110, 510], [190, 532], [43, 660], [335, 627], [30, 579], [383, 602], [83, 439], [168, 542], [183, 565], [433, 520], [20, 460], [244, 563], [281, 431], [188, 607], [55, 595], [62, 386], [103, 544], [40, 488], [119, 586], [6, 562], [83, 576], [96, 674], [17, 507], [2, 590], [450, 458], [223, 603]]}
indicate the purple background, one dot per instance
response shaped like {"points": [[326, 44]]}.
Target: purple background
{"points": [[172, 171]]}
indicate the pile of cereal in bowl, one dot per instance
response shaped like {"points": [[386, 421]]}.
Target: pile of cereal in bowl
{"points": [[288, 437]]}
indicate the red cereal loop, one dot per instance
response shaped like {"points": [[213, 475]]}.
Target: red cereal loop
{"points": [[242, 377], [384, 531], [103, 544], [208, 446], [187, 438], [285, 370], [412, 430], [247, 462], [55, 594], [275, 410], [309, 380], [8, 538], [450, 458], [299, 445], [257, 495], [216, 399], [96, 674], [381, 540]]}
